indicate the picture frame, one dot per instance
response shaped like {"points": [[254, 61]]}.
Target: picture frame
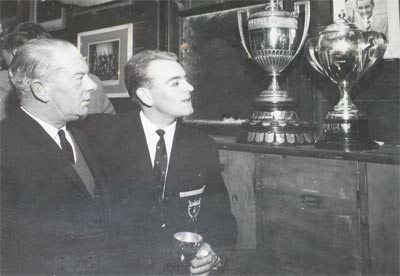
{"points": [[51, 15], [107, 51], [388, 8]]}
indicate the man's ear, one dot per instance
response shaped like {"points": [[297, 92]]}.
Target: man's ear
{"points": [[144, 96], [39, 91]]}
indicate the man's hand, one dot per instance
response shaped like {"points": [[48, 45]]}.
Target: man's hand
{"points": [[205, 261]]}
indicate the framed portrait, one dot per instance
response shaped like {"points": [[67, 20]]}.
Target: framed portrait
{"points": [[107, 51], [375, 15], [51, 15]]}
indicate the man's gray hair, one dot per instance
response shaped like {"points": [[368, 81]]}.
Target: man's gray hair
{"points": [[35, 60]]}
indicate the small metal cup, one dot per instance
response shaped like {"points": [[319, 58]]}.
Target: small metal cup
{"points": [[187, 244]]}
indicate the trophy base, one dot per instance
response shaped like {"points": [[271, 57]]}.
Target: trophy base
{"points": [[274, 122], [276, 128], [346, 135], [275, 134]]}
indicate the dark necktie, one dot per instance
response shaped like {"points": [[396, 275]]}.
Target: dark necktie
{"points": [[369, 24], [160, 163], [66, 146]]}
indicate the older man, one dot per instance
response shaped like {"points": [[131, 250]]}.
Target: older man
{"points": [[166, 176], [51, 214], [14, 37]]}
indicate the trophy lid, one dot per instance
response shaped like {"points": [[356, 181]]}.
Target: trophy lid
{"points": [[341, 25], [273, 8]]}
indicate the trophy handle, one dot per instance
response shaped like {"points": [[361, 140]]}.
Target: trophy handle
{"points": [[376, 47], [240, 24], [306, 22], [310, 55]]}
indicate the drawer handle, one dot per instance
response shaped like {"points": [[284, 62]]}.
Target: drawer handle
{"points": [[235, 199], [313, 199]]}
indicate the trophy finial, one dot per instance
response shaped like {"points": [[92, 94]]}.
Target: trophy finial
{"points": [[341, 14], [273, 5]]}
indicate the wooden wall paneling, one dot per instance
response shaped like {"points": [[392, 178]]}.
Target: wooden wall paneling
{"points": [[362, 203], [259, 193], [384, 218], [238, 175], [168, 26]]}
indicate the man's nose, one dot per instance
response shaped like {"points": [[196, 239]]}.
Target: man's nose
{"points": [[188, 86], [90, 85]]}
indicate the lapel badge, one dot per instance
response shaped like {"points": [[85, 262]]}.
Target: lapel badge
{"points": [[194, 209]]}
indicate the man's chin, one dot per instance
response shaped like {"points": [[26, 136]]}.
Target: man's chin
{"points": [[83, 114], [189, 112]]}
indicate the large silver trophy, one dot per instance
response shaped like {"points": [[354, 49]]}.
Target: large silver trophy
{"points": [[272, 35], [344, 53]]}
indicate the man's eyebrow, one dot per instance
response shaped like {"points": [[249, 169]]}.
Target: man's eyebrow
{"points": [[80, 73], [176, 78]]}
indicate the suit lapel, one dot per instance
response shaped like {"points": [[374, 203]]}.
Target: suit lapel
{"points": [[178, 157], [47, 147], [82, 142], [135, 138]]}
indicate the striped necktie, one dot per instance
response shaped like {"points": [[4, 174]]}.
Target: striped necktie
{"points": [[368, 24]]}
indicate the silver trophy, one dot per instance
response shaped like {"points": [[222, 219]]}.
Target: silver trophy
{"points": [[272, 35], [344, 53]]}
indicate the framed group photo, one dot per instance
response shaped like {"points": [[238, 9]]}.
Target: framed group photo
{"points": [[107, 50], [51, 15], [374, 15]]}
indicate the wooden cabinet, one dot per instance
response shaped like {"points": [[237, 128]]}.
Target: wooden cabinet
{"points": [[313, 216], [239, 172]]}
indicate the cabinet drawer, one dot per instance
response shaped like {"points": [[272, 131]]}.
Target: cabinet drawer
{"points": [[310, 215]]}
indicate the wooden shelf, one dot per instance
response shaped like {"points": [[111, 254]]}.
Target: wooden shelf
{"points": [[386, 154]]}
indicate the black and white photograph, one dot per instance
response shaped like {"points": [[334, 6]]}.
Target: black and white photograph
{"points": [[200, 137], [104, 60], [107, 50], [374, 15]]}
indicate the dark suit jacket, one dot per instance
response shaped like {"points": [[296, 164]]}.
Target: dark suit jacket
{"points": [[196, 198], [49, 222]]}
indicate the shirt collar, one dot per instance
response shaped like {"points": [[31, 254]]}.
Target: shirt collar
{"points": [[51, 130], [150, 128]]}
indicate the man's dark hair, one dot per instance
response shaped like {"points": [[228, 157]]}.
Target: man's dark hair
{"points": [[17, 35], [371, 1], [136, 68]]}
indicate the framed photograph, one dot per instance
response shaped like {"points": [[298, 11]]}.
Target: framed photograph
{"points": [[375, 15], [107, 51], [50, 14]]}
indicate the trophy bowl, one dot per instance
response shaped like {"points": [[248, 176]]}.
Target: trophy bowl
{"points": [[272, 39], [344, 53]]}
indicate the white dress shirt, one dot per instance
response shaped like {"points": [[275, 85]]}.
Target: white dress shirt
{"points": [[53, 131], [152, 137], [366, 25]]}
